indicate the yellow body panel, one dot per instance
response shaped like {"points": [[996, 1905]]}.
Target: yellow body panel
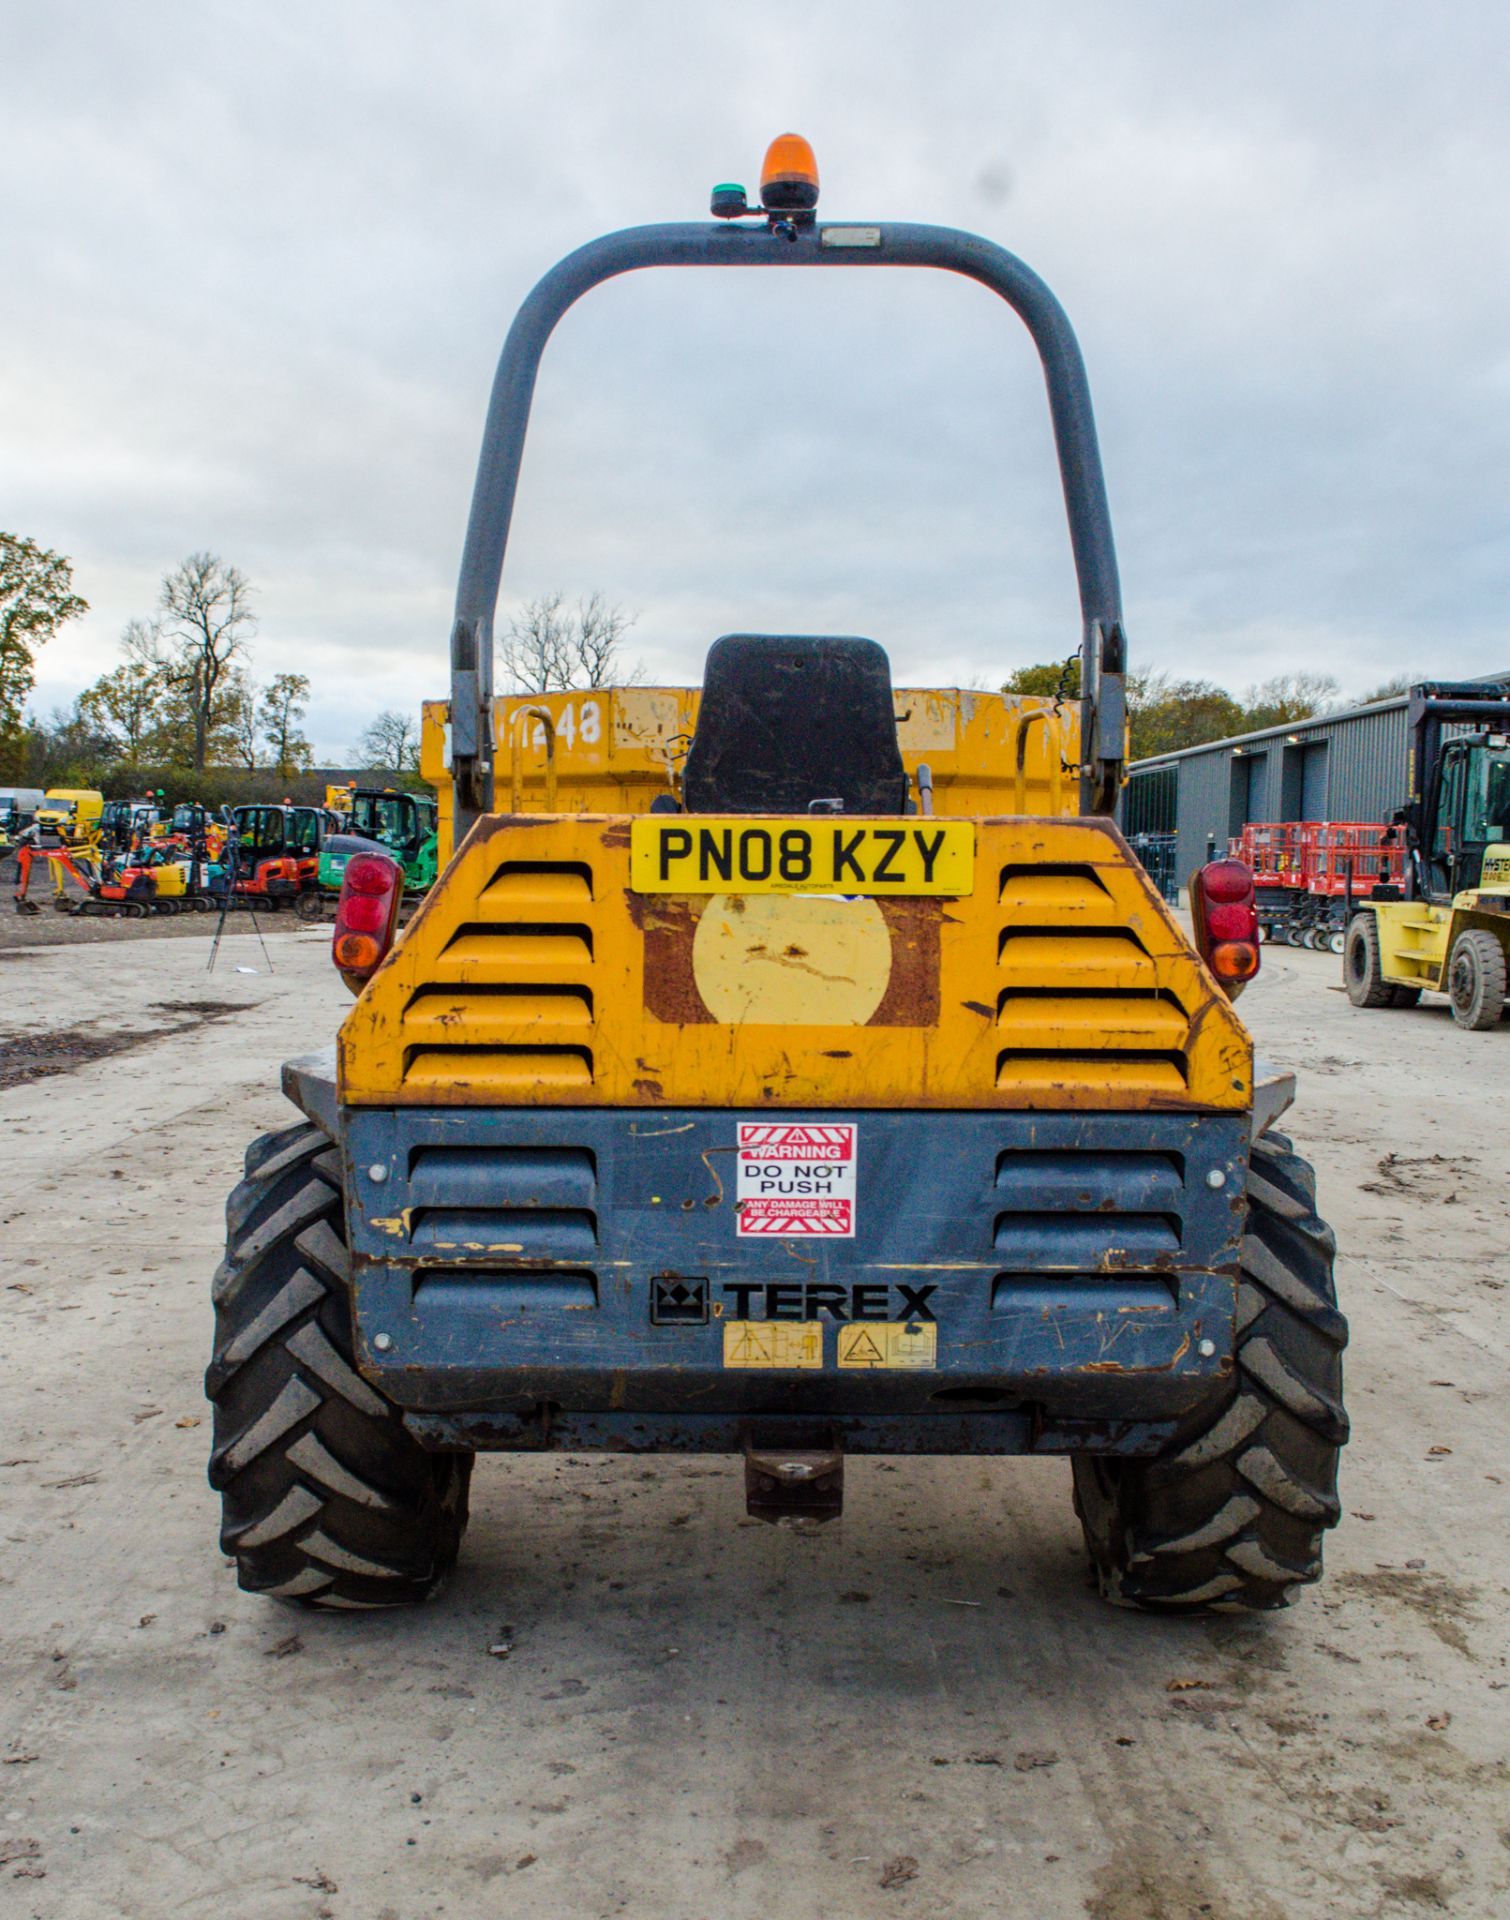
{"points": [[615, 749], [533, 974], [1416, 938]]}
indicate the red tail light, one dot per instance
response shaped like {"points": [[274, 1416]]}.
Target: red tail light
{"points": [[366, 914], [1226, 922]]}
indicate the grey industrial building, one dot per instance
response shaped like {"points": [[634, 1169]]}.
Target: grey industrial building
{"points": [[1339, 766]]}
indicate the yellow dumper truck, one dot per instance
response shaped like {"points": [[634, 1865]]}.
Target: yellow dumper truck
{"points": [[789, 1068]]}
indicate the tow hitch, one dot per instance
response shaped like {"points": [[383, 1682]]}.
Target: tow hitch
{"points": [[801, 1482]]}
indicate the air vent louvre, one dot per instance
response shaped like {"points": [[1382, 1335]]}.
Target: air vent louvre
{"points": [[502, 1176], [1078, 1241], [1086, 1223], [534, 1233], [511, 1070], [500, 1291], [1083, 1181], [1080, 1003], [1130, 1070], [509, 1010], [539, 883], [504, 946], [496, 1012]]}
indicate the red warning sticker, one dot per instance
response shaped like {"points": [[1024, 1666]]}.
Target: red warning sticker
{"points": [[796, 1178]]}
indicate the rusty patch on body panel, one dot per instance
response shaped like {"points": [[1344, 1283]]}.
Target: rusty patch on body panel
{"points": [[668, 923], [912, 993]]}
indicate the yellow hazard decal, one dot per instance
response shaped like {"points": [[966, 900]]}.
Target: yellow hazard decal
{"points": [[920, 856], [900, 1344], [773, 1343]]}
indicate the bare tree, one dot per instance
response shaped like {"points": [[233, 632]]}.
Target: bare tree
{"points": [[1391, 689], [207, 617], [391, 743], [551, 648]]}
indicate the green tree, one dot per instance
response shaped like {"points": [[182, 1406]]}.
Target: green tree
{"points": [[1046, 680], [1169, 714], [208, 621], [239, 732], [36, 598], [283, 705], [126, 705], [1286, 698], [1163, 714]]}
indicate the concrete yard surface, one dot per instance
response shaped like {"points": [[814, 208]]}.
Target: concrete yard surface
{"points": [[630, 1700]]}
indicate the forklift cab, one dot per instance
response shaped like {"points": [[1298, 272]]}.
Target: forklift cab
{"points": [[1472, 813]]}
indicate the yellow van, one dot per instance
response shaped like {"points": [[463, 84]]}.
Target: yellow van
{"points": [[72, 813]]}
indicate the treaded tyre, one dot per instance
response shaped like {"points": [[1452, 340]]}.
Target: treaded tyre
{"points": [[1230, 1516], [1361, 968], [327, 1500], [1476, 980]]}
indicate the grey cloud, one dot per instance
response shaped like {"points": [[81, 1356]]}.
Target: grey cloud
{"points": [[266, 258]]}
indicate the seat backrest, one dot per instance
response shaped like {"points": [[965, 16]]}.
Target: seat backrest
{"points": [[784, 721]]}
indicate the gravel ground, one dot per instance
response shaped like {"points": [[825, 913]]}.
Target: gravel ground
{"points": [[921, 1711]]}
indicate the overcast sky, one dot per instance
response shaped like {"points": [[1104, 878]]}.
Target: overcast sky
{"points": [[260, 261]]}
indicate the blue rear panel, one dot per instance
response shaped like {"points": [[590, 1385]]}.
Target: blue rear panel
{"points": [[1067, 1279]]}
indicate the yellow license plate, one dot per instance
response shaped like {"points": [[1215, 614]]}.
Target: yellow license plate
{"points": [[668, 854]]}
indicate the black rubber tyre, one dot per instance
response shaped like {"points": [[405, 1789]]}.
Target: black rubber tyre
{"points": [[1476, 980], [327, 1500], [1231, 1515], [1361, 968], [310, 907]]}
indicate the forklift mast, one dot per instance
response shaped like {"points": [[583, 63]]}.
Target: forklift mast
{"points": [[1434, 706]]}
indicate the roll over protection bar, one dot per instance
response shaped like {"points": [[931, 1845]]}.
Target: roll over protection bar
{"points": [[730, 244]]}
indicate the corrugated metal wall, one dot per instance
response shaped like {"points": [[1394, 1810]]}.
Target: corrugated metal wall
{"points": [[1205, 800], [1366, 774], [1271, 777]]}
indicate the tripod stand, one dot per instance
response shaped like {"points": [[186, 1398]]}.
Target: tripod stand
{"points": [[232, 862]]}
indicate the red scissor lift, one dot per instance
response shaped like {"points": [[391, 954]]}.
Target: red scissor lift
{"points": [[1303, 870]]}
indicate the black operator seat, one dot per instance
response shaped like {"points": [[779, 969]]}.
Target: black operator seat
{"points": [[787, 720]]}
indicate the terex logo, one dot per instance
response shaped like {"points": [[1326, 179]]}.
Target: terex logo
{"points": [[794, 1300]]}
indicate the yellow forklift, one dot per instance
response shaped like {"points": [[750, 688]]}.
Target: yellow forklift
{"points": [[1447, 929]]}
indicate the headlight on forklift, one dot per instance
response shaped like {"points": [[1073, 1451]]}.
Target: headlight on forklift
{"points": [[366, 916]]}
